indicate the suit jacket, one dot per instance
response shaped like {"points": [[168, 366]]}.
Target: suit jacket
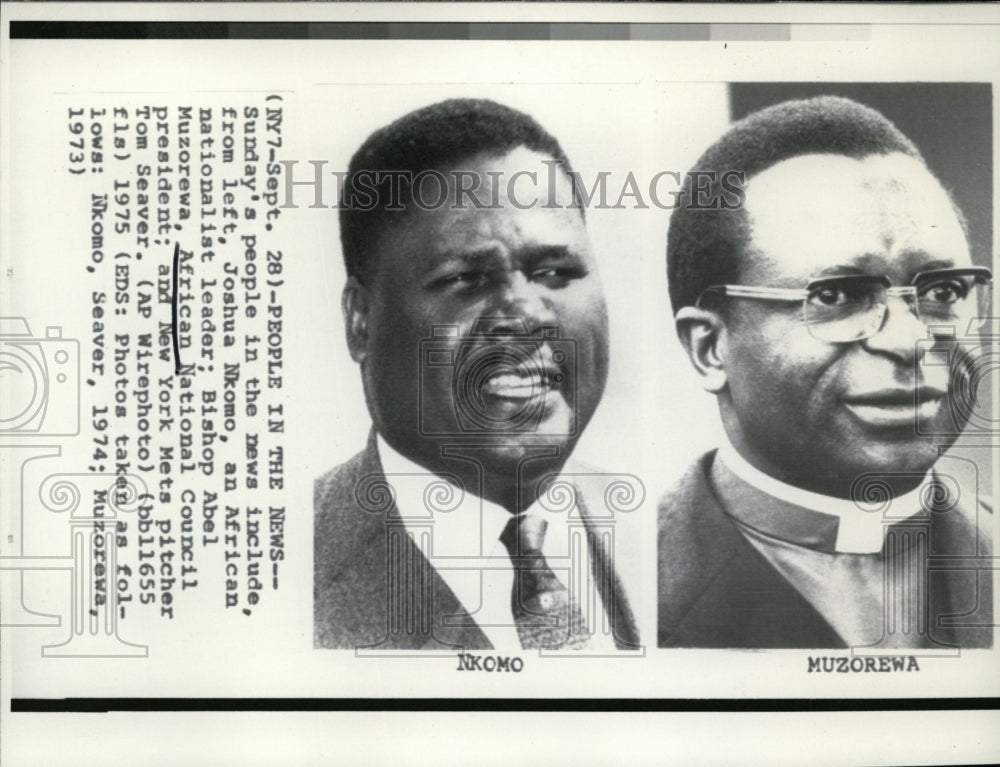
{"points": [[717, 590], [374, 588]]}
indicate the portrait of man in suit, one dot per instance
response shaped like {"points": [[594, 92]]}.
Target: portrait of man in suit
{"points": [[827, 316], [475, 312]]}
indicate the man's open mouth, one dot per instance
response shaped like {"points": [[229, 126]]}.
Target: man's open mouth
{"points": [[520, 384], [502, 373]]}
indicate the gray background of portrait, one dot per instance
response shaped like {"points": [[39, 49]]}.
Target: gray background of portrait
{"points": [[951, 124]]}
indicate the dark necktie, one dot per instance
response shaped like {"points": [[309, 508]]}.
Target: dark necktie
{"points": [[544, 614]]}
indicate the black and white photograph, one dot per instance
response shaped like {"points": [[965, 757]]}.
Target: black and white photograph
{"points": [[510, 382], [842, 324], [481, 334]]}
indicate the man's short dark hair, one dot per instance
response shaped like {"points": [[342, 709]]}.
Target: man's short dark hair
{"points": [[704, 246], [436, 137]]}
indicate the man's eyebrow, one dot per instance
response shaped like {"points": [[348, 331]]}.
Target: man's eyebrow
{"points": [[470, 258], [871, 264], [489, 256], [941, 263], [842, 270], [542, 252]]}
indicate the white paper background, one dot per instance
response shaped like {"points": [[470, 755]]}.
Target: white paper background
{"points": [[618, 106]]}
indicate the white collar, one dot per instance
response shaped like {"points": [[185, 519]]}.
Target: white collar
{"points": [[455, 513], [860, 530], [420, 494]]}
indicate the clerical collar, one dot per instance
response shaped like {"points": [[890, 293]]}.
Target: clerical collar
{"points": [[827, 523]]}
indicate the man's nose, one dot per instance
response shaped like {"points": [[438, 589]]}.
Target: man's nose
{"points": [[901, 332], [520, 304]]}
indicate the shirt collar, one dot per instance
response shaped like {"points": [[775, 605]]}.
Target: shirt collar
{"points": [[465, 524], [815, 520]]}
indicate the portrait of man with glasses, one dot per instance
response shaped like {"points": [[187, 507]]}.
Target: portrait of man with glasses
{"points": [[830, 317]]}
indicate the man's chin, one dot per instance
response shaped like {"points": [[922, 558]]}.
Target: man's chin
{"points": [[893, 459], [890, 447], [517, 453], [507, 426], [525, 467]]}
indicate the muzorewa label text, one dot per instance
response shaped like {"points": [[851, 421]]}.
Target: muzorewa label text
{"points": [[858, 665]]}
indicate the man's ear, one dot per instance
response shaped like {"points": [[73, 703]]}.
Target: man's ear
{"points": [[703, 334], [355, 303]]}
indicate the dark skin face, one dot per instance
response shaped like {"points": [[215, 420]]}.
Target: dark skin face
{"points": [[507, 398], [818, 414]]}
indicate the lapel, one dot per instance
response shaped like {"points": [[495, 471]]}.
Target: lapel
{"points": [[960, 570], [375, 588], [603, 545], [715, 589]]}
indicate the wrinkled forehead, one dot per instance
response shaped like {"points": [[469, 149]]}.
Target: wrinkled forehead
{"points": [[486, 205], [512, 179], [882, 214]]}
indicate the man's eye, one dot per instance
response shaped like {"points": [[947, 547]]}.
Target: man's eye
{"points": [[829, 296], [944, 292], [541, 274], [462, 279], [558, 273], [840, 294]]}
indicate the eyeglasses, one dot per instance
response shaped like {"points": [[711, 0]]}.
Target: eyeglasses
{"points": [[854, 307]]}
